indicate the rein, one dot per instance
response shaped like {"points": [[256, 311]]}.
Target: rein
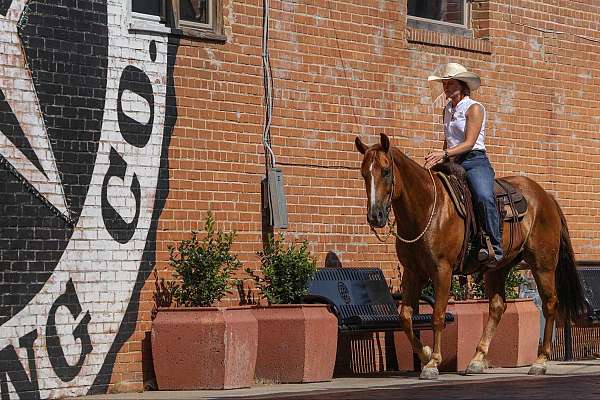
{"points": [[390, 224]]}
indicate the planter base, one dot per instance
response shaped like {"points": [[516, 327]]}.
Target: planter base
{"points": [[515, 342], [296, 343], [204, 348]]}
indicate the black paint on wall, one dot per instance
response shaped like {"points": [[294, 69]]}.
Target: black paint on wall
{"points": [[4, 6], [61, 367], [10, 127], [32, 239], [117, 227], [12, 369], [66, 42], [66, 46], [135, 80]]}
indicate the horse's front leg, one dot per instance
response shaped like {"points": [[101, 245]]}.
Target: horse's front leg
{"points": [[441, 283], [412, 285]]}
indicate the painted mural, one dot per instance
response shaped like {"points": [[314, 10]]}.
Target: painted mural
{"points": [[85, 121]]}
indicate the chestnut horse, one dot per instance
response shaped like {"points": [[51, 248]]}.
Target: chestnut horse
{"points": [[429, 236]]}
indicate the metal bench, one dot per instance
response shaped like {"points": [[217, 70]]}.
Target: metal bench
{"points": [[361, 300], [589, 276]]}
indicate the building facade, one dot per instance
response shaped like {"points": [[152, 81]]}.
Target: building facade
{"points": [[122, 122]]}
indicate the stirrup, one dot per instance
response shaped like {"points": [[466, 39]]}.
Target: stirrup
{"points": [[486, 254]]}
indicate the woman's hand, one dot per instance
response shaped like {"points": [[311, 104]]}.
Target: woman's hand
{"points": [[433, 158]]}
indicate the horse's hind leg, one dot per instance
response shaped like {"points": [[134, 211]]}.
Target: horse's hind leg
{"points": [[494, 287], [545, 281]]}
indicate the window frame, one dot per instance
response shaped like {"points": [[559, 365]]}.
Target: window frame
{"points": [[211, 31], [198, 25], [147, 22], [452, 25], [171, 23]]}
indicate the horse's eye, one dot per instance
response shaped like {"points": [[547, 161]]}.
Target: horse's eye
{"points": [[385, 173]]}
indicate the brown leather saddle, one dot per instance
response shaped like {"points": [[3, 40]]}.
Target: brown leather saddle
{"points": [[511, 204]]}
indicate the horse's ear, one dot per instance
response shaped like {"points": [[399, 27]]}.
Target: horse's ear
{"points": [[360, 146], [385, 142]]}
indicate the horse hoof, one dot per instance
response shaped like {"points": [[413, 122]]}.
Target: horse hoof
{"points": [[475, 367], [429, 374], [537, 369]]}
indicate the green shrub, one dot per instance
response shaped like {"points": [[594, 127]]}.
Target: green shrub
{"points": [[513, 281], [203, 268], [459, 289], [285, 271]]}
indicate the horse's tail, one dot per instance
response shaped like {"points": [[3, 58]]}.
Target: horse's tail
{"points": [[571, 303]]}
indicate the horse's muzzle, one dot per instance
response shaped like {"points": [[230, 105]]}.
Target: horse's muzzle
{"points": [[377, 217]]}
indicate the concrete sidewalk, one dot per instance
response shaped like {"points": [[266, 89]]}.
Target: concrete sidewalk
{"points": [[378, 381]]}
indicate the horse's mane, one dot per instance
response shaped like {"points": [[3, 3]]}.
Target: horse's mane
{"points": [[448, 167], [398, 156]]}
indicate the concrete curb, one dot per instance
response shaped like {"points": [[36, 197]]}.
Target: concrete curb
{"points": [[396, 380]]}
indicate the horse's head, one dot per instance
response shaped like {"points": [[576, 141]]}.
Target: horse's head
{"points": [[378, 171]]}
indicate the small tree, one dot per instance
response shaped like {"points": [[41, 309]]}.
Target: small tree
{"points": [[285, 271], [203, 268]]}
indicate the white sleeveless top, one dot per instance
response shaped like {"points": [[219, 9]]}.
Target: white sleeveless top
{"points": [[455, 120]]}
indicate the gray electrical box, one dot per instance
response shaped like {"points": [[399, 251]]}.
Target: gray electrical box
{"points": [[275, 198]]}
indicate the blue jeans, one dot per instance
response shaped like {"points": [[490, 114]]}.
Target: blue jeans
{"points": [[480, 176]]}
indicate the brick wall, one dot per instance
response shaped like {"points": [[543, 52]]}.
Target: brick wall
{"points": [[340, 69], [348, 68]]}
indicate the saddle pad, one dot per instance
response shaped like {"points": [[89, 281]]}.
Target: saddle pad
{"points": [[452, 186]]}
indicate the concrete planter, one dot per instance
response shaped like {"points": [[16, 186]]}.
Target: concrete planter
{"points": [[296, 343], [204, 348], [514, 344]]}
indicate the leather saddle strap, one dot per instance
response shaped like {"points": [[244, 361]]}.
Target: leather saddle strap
{"points": [[470, 226], [512, 225]]}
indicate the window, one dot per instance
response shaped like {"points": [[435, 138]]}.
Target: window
{"points": [[151, 7], [461, 24], [445, 16], [195, 12], [201, 18], [198, 18], [444, 11]]}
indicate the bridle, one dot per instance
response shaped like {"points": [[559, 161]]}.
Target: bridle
{"points": [[390, 224]]}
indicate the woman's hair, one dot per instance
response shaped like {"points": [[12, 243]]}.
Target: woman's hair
{"points": [[464, 88]]}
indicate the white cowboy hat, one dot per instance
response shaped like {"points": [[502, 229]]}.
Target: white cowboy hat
{"points": [[458, 72]]}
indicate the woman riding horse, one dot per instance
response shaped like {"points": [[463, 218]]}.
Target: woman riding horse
{"points": [[429, 237], [464, 131]]}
